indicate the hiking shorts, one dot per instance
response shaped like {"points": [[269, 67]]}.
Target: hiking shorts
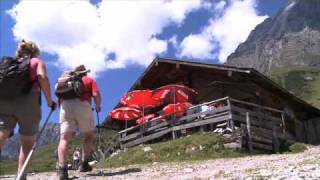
{"points": [[24, 111], [74, 114]]}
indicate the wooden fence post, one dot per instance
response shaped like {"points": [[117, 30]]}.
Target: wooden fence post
{"points": [[249, 132], [201, 129], [231, 122], [173, 134], [275, 141], [283, 123]]}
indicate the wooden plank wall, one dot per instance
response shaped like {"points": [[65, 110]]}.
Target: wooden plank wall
{"points": [[261, 125]]}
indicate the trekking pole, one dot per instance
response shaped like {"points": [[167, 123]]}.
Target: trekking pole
{"points": [[26, 162], [99, 137], [101, 153]]}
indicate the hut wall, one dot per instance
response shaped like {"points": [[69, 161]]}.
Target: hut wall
{"points": [[300, 131], [313, 130]]}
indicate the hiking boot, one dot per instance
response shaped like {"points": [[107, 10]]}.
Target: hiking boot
{"points": [[63, 173], [85, 167]]}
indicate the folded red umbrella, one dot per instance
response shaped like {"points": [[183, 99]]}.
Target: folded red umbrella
{"points": [[145, 119], [125, 113], [176, 110], [140, 99], [174, 93]]}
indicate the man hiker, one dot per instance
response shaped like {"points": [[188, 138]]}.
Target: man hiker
{"points": [[76, 158], [77, 113], [25, 109]]}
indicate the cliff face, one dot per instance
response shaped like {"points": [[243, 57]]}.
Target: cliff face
{"points": [[50, 135], [291, 38]]}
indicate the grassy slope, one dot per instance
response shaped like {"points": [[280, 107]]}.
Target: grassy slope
{"points": [[202, 146], [43, 159], [194, 147], [294, 79]]}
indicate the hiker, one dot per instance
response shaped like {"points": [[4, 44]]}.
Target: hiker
{"points": [[25, 109], [77, 113], [76, 159]]}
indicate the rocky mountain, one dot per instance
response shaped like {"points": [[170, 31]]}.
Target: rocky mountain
{"points": [[290, 38], [49, 136]]}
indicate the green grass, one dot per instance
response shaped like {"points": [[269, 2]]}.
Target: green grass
{"points": [[43, 158], [294, 80], [191, 148], [297, 148], [43, 161], [8, 167]]}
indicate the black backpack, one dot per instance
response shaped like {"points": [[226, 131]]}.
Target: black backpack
{"points": [[14, 77], [69, 85]]}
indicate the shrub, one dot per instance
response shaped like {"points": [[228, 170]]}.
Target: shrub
{"points": [[297, 147]]}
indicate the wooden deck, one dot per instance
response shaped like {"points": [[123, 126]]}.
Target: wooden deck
{"points": [[260, 125]]}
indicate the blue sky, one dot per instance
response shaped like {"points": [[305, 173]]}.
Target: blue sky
{"points": [[118, 39]]}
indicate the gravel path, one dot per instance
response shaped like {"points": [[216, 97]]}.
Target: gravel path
{"points": [[304, 165]]}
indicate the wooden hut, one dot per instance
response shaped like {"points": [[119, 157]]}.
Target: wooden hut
{"points": [[246, 91]]}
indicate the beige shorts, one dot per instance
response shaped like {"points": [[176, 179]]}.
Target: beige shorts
{"points": [[76, 114], [24, 111]]}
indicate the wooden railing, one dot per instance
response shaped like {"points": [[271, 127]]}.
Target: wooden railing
{"points": [[260, 123]]}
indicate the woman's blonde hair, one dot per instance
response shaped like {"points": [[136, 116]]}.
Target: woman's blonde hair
{"points": [[27, 48]]}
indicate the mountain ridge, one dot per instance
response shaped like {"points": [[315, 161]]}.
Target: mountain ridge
{"points": [[290, 38]]}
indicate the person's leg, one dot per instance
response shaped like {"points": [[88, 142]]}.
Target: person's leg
{"points": [[27, 112], [88, 145], [4, 134], [26, 145], [64, 142], [87, 150], [67, 129], [7, 124], [85, 121]]}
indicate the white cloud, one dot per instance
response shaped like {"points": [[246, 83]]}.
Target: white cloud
{"points": [[196, 46], [173, 40], [79, 32], [227, 31], [220, 5]]}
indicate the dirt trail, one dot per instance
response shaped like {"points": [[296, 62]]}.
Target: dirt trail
{"points": [[304, 165]]}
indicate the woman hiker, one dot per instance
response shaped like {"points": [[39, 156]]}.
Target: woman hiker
{"points": [[25, 110]]}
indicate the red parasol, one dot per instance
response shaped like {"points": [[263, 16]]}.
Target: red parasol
{"points": [[174, 93], [145, 119], [125, 113], [139, 99], [176, 109]]}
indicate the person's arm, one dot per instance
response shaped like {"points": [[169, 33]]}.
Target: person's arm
{"points": [[44, 83], [96, 96], [97, 101]]}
